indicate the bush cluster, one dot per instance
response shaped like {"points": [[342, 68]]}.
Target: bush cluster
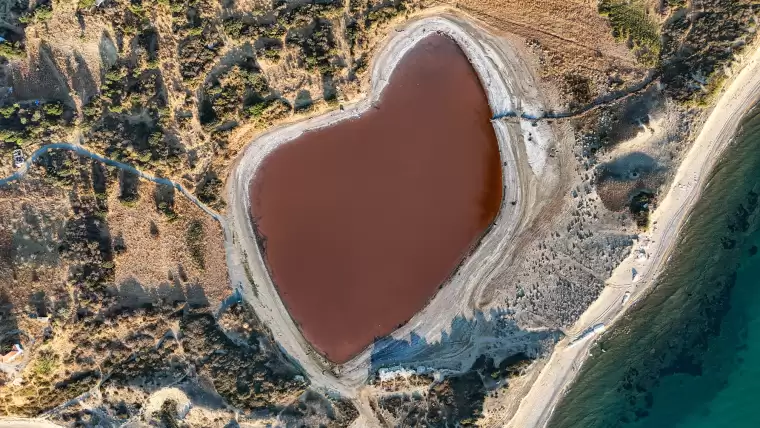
{"points": [[226, 96], [697, 47], [630, 23], [30, 122]]}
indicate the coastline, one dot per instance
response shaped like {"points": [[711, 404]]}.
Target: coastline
{"points": [[700, 319], [657, 244]]}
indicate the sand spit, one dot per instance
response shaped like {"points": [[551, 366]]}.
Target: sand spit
{"points": [[639, 271], [510, 87]]}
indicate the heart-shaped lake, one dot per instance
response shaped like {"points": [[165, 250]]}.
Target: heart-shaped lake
{"points": [[363, 221]]}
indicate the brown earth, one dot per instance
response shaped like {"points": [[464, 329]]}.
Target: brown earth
{"points": [[157, 255], [571, 41]]}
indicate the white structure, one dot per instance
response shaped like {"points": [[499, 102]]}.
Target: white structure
{"points": [[398, 372], [589, 333], [18, 158], [13, 355], [626, 297]]}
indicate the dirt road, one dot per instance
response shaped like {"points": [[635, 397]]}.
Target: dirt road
{"points": [[653, 249]]}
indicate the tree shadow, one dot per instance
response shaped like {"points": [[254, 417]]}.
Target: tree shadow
{"points": [[80, 22], [303, 101], [132, 295], [329, 91], [128, 187], [43, 79], [99, 178], [119, 245], [196, 296], [9, 331], [269, 48], [170, 293], [149, 40], [34, 238], [109, 54], [163, 197], [39, 304], [83, 82], [181, 272], [631, 166]]}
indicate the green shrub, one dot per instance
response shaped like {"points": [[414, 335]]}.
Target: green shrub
{"points": [[45, 365], [168, 211], [233, 28], [12, 50], [40, 14], [677, 3], [116, 75], [195, 31], [630, 23], [53, 109], [9, 111], [258, 82], [257, 110], [137, 10], [194, 238]]}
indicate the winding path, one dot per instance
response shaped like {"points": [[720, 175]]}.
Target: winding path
{"points": [[126, 167], [24, 169]]}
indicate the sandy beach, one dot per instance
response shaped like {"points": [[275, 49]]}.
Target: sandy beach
{"points": [[639, 271]]}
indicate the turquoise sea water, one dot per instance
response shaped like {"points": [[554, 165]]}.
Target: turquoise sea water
{"points": [[688, 356]]}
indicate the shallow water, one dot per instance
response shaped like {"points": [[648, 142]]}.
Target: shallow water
{"points": [[688, 355], [363, 221]]}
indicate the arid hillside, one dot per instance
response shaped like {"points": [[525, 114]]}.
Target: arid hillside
{"points": [[179, 87]]}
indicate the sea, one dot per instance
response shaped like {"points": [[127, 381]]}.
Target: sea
{"points": [[688, 354]]}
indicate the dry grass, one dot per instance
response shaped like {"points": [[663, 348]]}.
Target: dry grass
{"points": [[31, 226], [32, 218], [153, 260], [572, 27], [569, 37], [73, 51]]}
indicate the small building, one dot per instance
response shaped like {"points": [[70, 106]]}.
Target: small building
{"points": [[12, 356], [18, 158], [626, 297]]}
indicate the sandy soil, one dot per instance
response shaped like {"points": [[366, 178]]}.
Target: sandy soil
{"points": [[653, 248], [569, 38], [151, 260], [510, 87], [26, 423]]}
